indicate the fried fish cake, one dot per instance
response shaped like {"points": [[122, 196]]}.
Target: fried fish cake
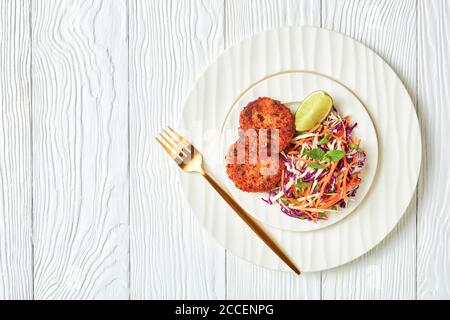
{"points": [[249, 171], [267, 113]]}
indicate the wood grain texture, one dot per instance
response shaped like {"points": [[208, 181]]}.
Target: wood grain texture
{"points": [[433, 230], [243, 19], [248, 17], [16, 261], [101, 231], [171, 42], [389, 28], [80, 149]]}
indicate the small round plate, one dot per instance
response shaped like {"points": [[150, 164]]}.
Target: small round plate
{"points": [[289, 87]]}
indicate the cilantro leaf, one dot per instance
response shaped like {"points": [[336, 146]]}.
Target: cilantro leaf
{"points": [[334, 155], [315, 165], [316, 154]]}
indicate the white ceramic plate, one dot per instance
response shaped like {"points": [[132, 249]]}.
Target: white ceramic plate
{"points": [[362, 72], [294, 86]]}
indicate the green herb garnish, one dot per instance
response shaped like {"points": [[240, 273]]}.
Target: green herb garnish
{"points": [[333, 155], [354, 146], [284, 199], [322, 214], [325, 139], [315, 165], [316, 154], [303, 153], [300, 185], [329, 156]]}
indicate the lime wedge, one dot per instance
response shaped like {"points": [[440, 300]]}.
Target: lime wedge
{"points": [[313, 110]]}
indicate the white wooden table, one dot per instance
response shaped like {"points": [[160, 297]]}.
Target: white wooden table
{"points": [[89, 206]]}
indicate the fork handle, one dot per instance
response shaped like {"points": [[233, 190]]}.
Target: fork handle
{"points": [[252, 223]]}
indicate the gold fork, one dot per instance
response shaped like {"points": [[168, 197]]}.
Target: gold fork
{"points": [[190, 160]]}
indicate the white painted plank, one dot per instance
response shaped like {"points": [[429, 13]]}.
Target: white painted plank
{"points": [[248, 17], [171, 42], [389, 28], [16, 257], [243, 19], [80, 149], [433, 229]]}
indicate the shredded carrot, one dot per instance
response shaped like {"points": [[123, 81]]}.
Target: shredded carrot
{"points": [[327, 179], [330, 202], [302, 141], [308, 192], [310, 215], [344, 181]]}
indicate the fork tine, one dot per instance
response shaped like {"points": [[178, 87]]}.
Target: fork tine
{"points": [[171, 154], [179, 136], [184, 150], [167, 141], [173, 138]]}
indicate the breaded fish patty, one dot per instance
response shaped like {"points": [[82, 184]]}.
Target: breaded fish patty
{"points": [[267, 113], [248, 171]]}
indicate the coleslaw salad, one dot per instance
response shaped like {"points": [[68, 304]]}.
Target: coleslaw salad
{"points": [[320, 170]]}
